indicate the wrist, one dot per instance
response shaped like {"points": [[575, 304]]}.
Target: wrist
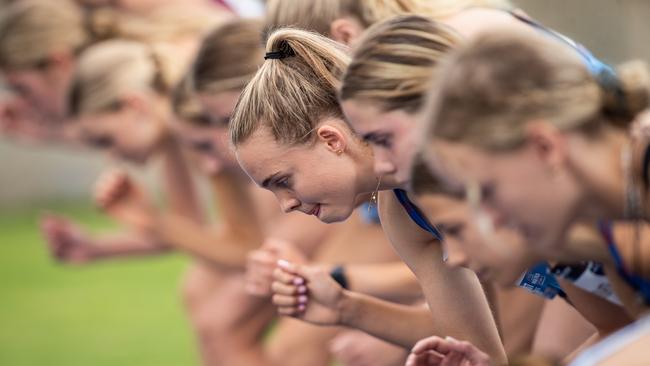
{"points": [[347, 308]]}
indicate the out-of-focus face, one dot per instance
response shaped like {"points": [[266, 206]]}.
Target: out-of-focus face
{"points": [[392, 135], [315, 178], [498, 255], [44, 86], [36, 89], [211, 142], [515, 188], [132, 134]]}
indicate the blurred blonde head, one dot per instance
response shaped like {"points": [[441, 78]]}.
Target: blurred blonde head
{"points": [[538, 80], [318, 15], [228, 57], [110, 70], [395, 62]]}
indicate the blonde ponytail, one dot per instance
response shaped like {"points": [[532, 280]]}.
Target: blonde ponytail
{"points": [[293, 90]]}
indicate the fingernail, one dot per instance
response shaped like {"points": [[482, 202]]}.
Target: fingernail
{"points": [[301, 307], [284, 264], [302, 289], [302, 299], [298, 281], [450, 338]]}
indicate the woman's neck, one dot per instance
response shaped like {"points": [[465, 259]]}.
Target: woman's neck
{"points": [[600, 165]]}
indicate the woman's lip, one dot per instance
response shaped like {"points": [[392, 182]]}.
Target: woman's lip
{"points": [[315, 211]]}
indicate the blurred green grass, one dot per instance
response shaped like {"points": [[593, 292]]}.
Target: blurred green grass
{"points": [[125, 312]]}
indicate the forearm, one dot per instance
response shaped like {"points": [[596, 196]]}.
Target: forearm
{"points": [[130, 245], [180, 190], [388, 281], [223, 248], [234, 204], [402, 325], [460, 308]]}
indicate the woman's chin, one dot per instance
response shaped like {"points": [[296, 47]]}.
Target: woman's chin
{"points": [[328, 217]]}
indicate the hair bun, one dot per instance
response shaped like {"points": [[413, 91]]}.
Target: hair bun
{"points": [[632, 96]]}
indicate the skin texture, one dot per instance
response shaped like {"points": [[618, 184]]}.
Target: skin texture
{"points": [[328, 304], [325, 178], [391, 135]]}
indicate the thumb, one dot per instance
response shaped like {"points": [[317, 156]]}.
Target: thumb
{"points": [[293, 268]]}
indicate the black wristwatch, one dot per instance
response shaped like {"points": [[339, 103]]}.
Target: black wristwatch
{"points": [[338, 274]]}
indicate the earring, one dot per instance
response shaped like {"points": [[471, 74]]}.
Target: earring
{"points": [[339, 152], [375, 194]]}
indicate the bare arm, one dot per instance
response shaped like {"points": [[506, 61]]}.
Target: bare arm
{"points": [[455, 296], [389, 281], [309, 293]]}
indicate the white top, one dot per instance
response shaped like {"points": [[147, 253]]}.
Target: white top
{"points": [[606, 348]]}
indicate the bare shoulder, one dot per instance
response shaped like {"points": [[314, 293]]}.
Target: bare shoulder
{"points": [[397, 224]]}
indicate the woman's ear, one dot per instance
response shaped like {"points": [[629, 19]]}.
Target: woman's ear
{"points": [[548, 143], [333, 138], [346, 30]]}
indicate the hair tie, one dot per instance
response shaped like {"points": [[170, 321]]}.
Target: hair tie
{"points": [[279, 55]]}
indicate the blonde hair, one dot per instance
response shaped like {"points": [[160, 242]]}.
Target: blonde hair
{"points": [[496, 83], [229, 57], [30, 30], [186, 105], [110, 69], [318, 15], [289, 96], [395, 62]]}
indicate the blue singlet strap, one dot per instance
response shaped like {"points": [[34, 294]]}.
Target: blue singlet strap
{"points": [[639, 284], [416, 215]]}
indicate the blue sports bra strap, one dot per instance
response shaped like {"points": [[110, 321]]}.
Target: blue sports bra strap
{"points": [[641, 285], [416, 215]]}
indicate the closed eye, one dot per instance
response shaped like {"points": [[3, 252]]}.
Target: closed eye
{"points": [[380, 139]]}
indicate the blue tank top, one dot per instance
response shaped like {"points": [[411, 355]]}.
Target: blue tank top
{"points": [[638, 283]]}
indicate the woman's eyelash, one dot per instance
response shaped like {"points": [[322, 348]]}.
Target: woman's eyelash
{"points": [[283, 182]]}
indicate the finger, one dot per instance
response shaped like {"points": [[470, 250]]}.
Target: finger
{"points": [[288, 290], [285, 277], [282, 300], [294, 311], [293, 268], [453, 358], [257, 289], [470, 351], [432, 343]]}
